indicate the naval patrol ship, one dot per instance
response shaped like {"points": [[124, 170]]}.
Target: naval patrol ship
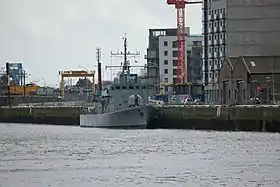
{"points": [[123, 104]]}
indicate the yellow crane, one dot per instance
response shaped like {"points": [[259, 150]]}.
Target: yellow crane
{"points": [[73, 74]]}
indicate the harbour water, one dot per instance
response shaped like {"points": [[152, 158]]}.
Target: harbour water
{"points": [[58, 156]]}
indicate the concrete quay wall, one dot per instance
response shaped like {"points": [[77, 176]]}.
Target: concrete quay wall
{"points": [[41, 115], [235, 118], [15, 100]]}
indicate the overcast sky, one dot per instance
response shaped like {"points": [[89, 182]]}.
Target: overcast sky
{"points": [[52, 35]]}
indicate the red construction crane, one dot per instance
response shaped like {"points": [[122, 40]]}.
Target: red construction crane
{"points": [[180, 5]]}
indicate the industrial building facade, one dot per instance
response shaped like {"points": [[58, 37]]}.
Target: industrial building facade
{"points": [[162, 57], [234, 28]]}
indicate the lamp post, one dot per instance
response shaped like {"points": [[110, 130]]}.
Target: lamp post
{"points": [[8, 83], [273, 80], [254, 86], [238, 91]]}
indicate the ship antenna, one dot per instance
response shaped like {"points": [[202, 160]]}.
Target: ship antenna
{"points": [[125, 55], [125, 63]]}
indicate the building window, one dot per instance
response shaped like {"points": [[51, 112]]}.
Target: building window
{"points": [[197, 53], [165, 80], [174, 71], [175, 53], [165, 53], [197, 43], [165, 71], [216, 74], [165, 43], [175, 62], [175, 81], [175, 44], [165, 62], [216, 49]]}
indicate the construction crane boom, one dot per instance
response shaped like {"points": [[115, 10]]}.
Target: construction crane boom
{"points": [[180, 5]]}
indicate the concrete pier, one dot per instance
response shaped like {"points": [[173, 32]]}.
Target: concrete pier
{"points": [[262, 118], [41, 115]]}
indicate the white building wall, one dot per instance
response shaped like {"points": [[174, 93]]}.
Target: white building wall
{"points": [[166, 60]]}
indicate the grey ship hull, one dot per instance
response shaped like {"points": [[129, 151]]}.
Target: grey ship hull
{"points": [[136, 117]]}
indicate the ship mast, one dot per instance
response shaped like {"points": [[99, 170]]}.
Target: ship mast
{"points": [[125, 54], [125, 63]]}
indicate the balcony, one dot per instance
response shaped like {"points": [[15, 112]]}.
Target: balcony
{"points": [[216, 42], [215, 54], [215, 79], [222, 15], [218, 16], [210, 17], [215, 29], [210, 42], [222, 54], [216, 67], [215, 16], [210, 67], [222, 28], [222, 41], [210, 29]]}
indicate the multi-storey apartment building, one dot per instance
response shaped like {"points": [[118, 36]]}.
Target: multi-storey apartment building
{"points": [[164, 49], [168, 59], [214, 45]]}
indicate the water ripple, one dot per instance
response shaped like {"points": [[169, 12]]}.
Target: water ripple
{"points": [[55, 156]]}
